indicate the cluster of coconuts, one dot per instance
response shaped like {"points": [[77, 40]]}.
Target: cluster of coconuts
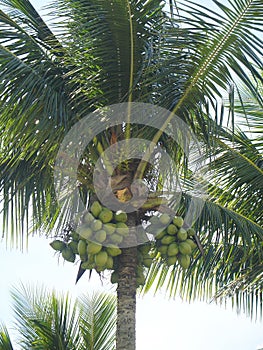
{"points": [[96, 240], [174, 243], [101, 232]]}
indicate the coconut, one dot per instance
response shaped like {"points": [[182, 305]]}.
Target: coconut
{"points": [[171, 229], [120, 216], [96, 209], [73, 245], [113, 251], [106, 215], [96, 225], [191, 243], [68, 254], [88, 217], [178, 221], [101, 258], [93, 248], [172, 249], [109, 228], [163, 249], [167, 239], [140, 280], [147, 262], [114, 277], [82, 246], [154, 220], [85, 232], [165, 219], [122, 229], [184, 261], [115, 238], [74, 236], [109, 263], [144, 248], [182, 234], [160, 235], [185, 248], [171, 260], [58, 245], [190, 232], [100, 236]]}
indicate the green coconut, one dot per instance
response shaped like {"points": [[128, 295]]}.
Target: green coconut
{"points": [[85, 232], [82, 246], [120, 216], [178, 221], [95, 209], [73, 245], [122, 228], [161, 234], [171, 260], [88, 218], [100, 236], [116, 238], [147, 262], [163, 249], [185, 248], [114, 277], [58, 245], [172, 229], [167, 239], [96, 225], [184, 261], [113, 251], [93, 248], [110, 228], [190, 232], [165, 219], [145, 248], [109, 263], [68, 255], [101, 258], [140, 280], [106, 215], [191, 243], [182, 234], [172, 249], [74, 236]]}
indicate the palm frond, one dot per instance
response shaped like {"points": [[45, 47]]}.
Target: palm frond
{"points": [[44, 320], [49, 320], [5, 341], [98, 321]]}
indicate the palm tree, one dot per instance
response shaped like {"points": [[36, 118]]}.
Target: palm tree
{"points": [[98, 53], [47, 320]]}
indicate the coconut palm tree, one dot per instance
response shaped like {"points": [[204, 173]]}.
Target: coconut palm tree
{"points": [[47, 320], [99, 53]]}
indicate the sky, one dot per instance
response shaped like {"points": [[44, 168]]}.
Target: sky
{"points": [[161, 323]]}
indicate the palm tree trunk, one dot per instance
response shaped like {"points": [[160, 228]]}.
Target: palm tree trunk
{"points": [[126, 295]]}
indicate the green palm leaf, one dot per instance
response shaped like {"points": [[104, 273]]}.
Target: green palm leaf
{"points": [[48, 320], [5, 341], [97, 322]]}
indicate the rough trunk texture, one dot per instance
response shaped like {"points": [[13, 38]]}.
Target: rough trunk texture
{"points": [[126, 295]]}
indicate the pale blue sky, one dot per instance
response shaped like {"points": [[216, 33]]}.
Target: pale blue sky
{"points": [[161, 323]]}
